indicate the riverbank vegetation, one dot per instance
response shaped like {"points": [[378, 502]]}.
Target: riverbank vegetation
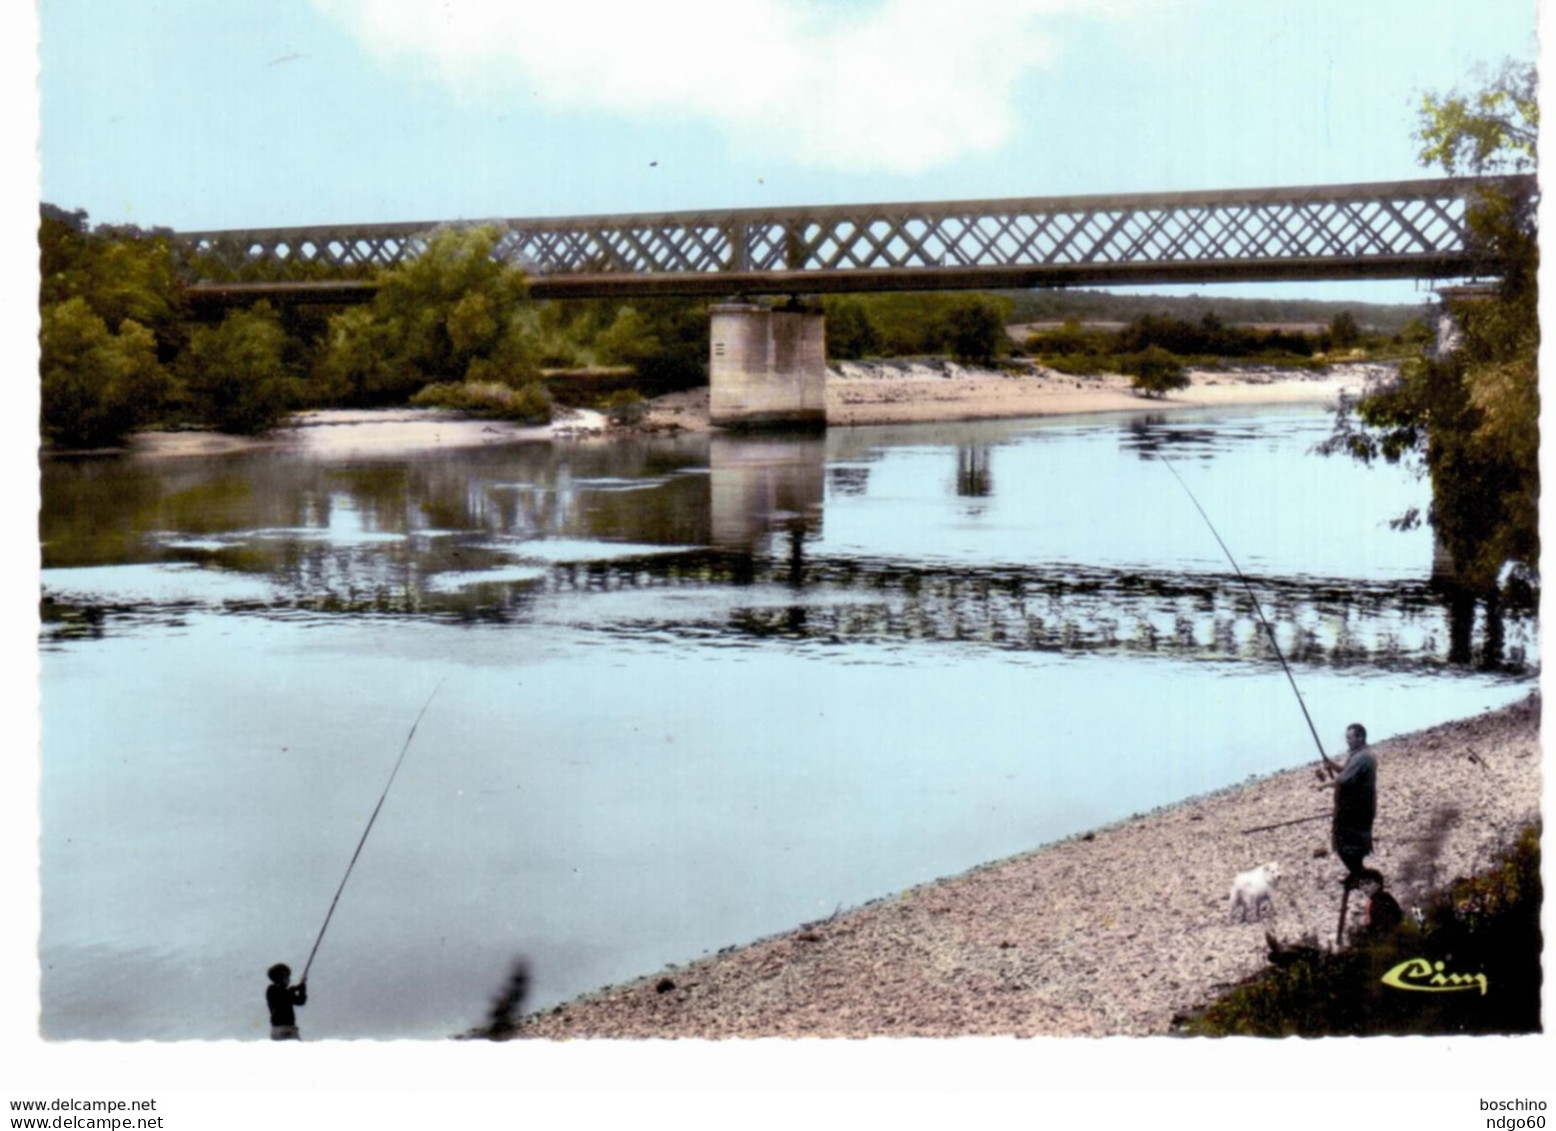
{"points": [[528, 404], [1155, 349], [1113, 309], [967, 327], [124, 346], [1468, 417], [1467, 963]]}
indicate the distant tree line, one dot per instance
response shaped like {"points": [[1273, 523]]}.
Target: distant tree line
{"points": [[968, 327], [1155, 349], [123, 347], [1210, 337], [1061, 304], [973, 327]]}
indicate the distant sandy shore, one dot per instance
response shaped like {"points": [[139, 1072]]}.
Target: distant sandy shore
{"points": [[884, 394], [1115, 932], [858, 393], [887, 392]]}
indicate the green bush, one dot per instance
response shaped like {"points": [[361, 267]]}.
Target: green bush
{"points": [[625, 407], [1081, 364], [1070, 340], [529, 404], [1415, 333], [1153, 371]]}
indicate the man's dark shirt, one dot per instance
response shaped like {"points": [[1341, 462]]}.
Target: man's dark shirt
{"points": [[1355, 804], [281, 999]]}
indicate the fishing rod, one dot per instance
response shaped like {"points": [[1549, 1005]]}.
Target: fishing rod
{"points": [[329, 914], [1257, 608], [1288, 824]]}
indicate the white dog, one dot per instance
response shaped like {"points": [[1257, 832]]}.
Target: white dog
{"points": [[1254, 891]]}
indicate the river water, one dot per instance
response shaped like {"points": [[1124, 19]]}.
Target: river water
{"points": [[684, 692]]}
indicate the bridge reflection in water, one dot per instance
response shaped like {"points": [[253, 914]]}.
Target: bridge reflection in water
{"points": [[501, 535]]}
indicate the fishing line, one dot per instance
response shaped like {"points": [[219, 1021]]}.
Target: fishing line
{"points": [[1270, 632], [329, 914]]}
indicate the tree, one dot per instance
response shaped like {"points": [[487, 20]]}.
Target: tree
{"points": [[664, 339], [1344, 333], [1154, 371], [1414, 333], [628, 340], [453, 313], [356, 364], [97, 386], [1470, 419], [1214, 336], [975, 329], [851, 333], [1492, 130], [233, 374], [120, 272]]}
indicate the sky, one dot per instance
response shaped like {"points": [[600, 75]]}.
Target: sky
{"points": [[257, 113], [248, 113]]}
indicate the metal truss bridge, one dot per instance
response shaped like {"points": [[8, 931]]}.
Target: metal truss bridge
{"points": [[1403, 229]]}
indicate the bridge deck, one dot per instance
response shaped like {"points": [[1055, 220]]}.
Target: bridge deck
{"points": [[1406, 229]]}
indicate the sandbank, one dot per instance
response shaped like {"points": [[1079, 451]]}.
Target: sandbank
{"points": [[906, 393], [857, 393]]}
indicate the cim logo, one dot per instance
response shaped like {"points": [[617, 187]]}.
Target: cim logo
{"points": [[1429, 977]]}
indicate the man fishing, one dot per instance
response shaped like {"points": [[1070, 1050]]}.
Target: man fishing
{"points": [[283, 998], [1355, 786], [1355, 805]]}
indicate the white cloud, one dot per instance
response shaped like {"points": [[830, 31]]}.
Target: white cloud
{"points": [[895, 85]]}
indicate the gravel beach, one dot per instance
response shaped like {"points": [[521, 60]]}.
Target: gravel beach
{"points": [[1115, 932]]}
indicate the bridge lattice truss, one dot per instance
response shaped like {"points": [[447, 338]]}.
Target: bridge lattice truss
{"points": [[1410, 229]]}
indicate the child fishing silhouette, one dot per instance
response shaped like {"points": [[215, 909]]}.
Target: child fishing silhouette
{"points": [[283, 998]]}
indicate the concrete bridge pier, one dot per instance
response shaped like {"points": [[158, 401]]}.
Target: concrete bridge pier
{"points": [[767, 368]]}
